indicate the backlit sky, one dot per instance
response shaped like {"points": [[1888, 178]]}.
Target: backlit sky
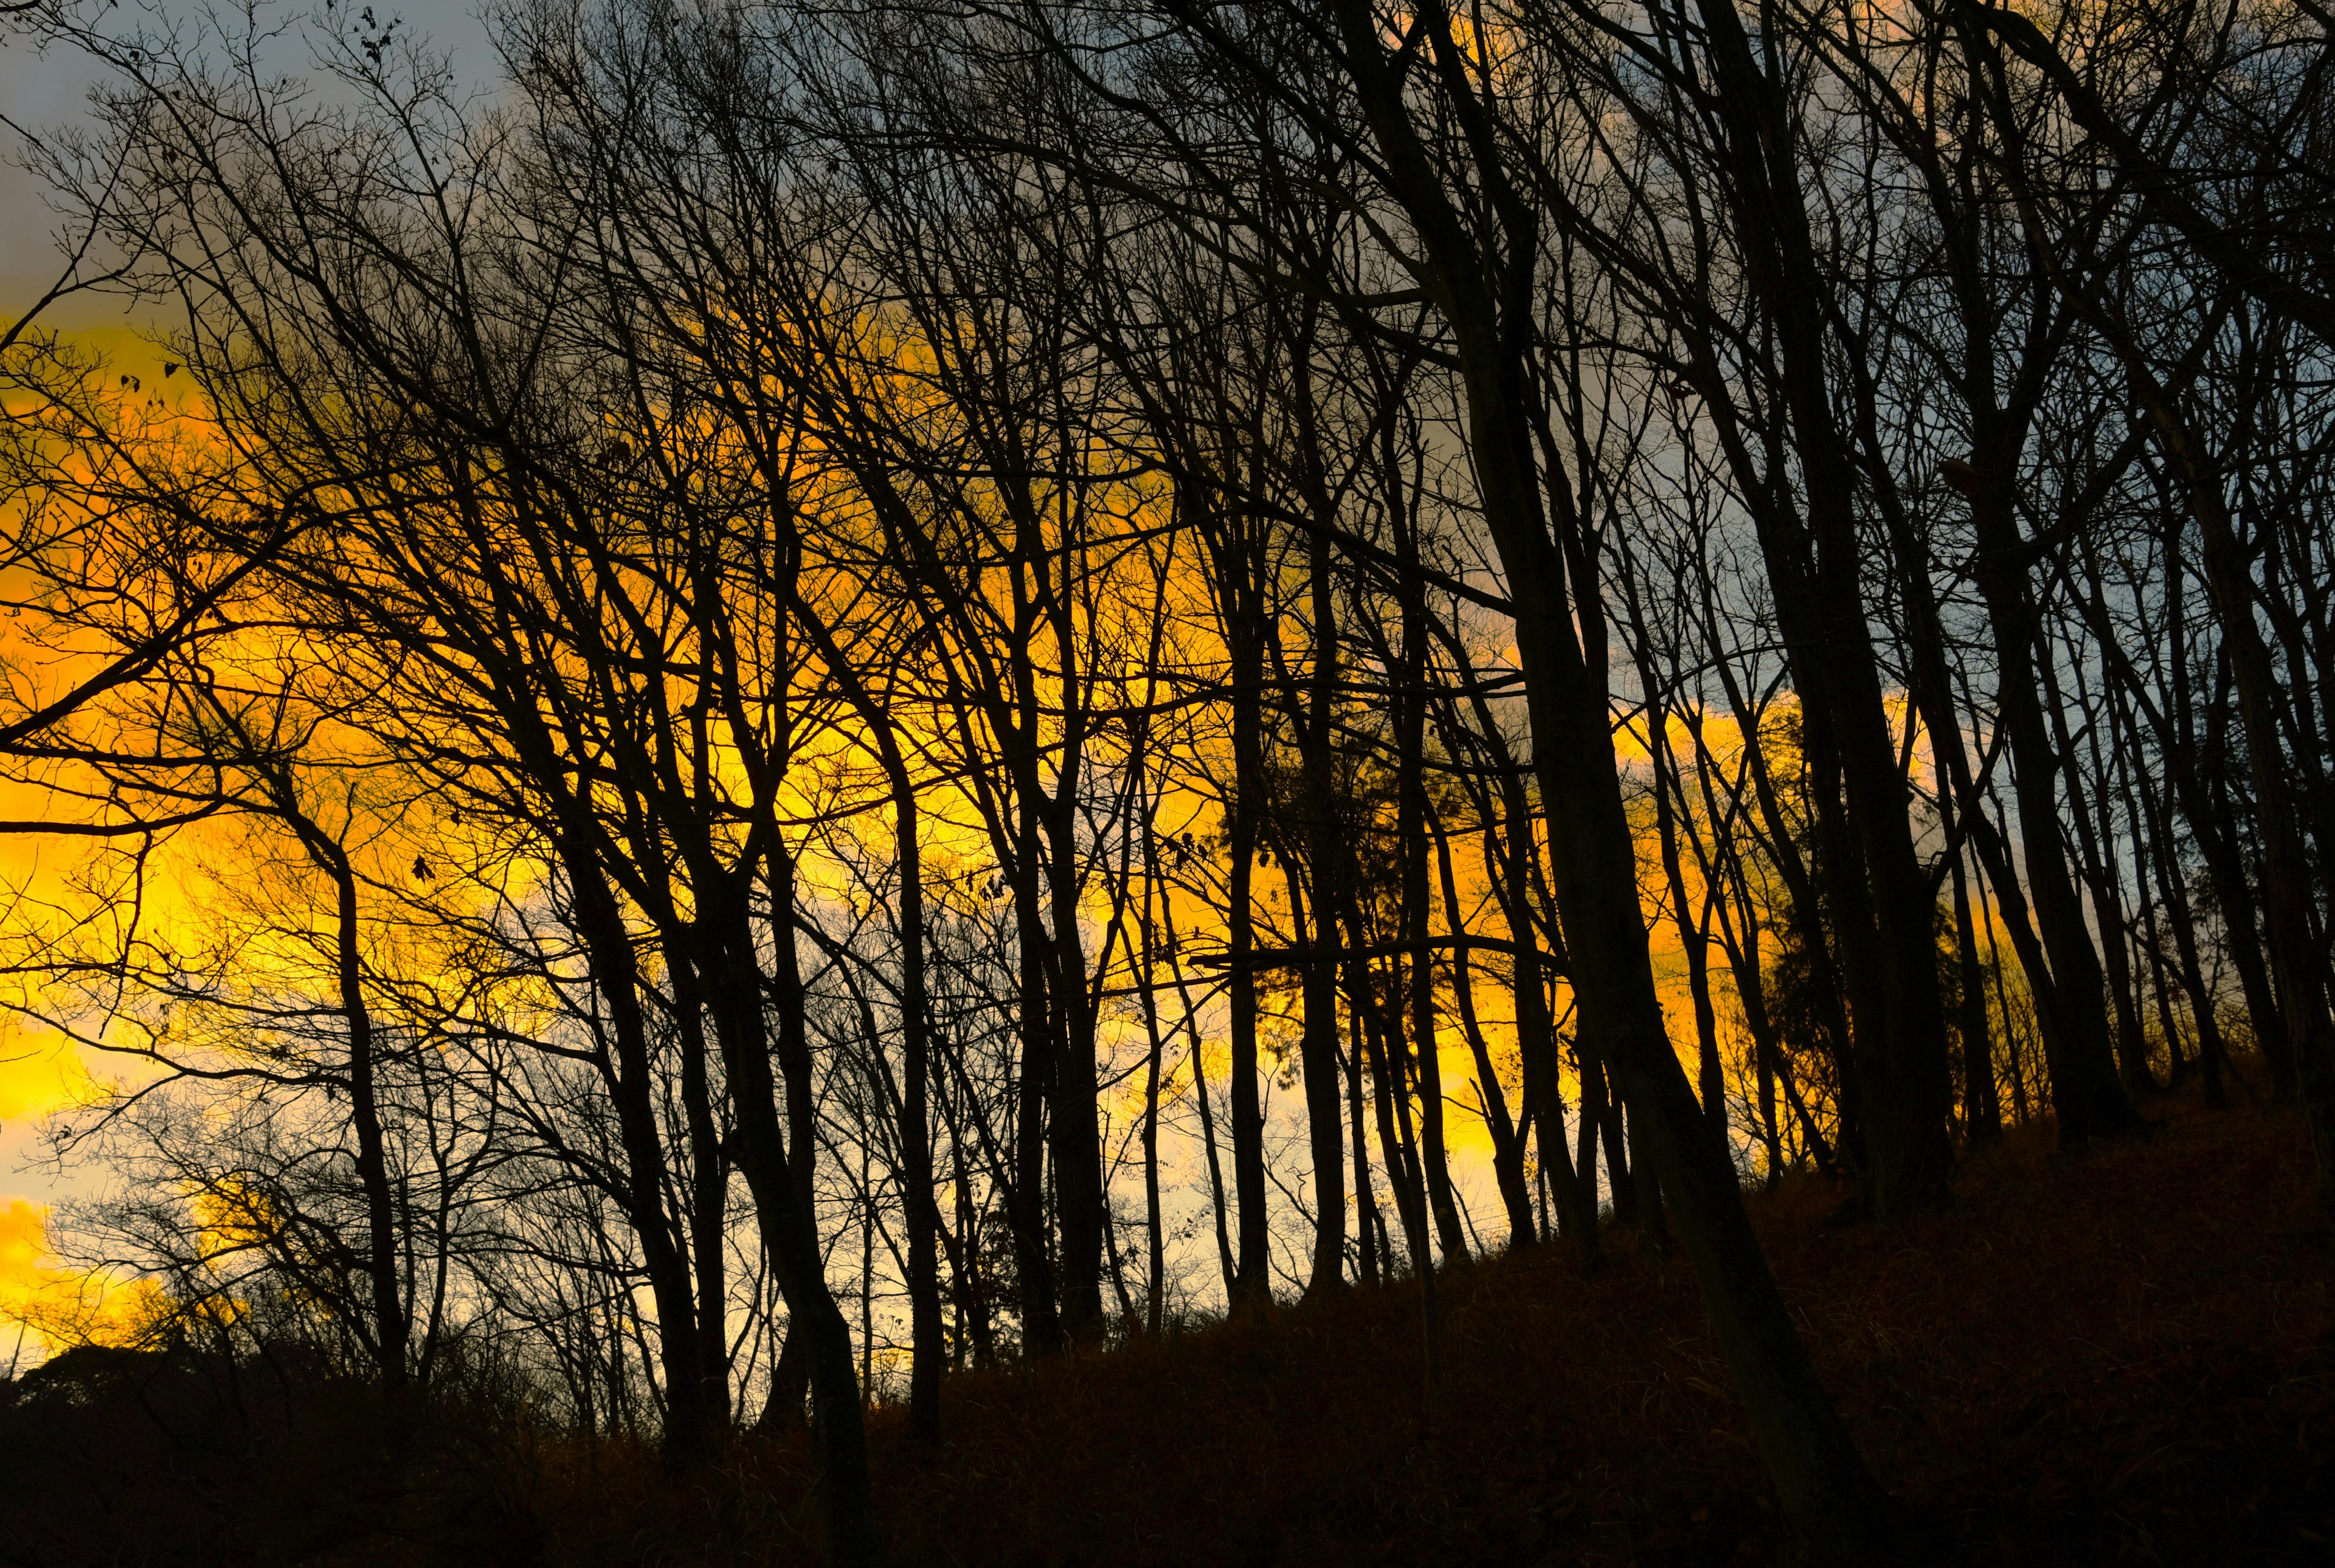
{"points": [[42, 91]]}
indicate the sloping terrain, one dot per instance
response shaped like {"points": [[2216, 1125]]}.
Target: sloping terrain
{"points": [[2120, 1357], [2124, 1357]]}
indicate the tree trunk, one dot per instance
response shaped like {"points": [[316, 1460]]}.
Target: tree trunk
{"points": [[708, 1189], [1366, 1215], [728, 965], [1508, 1137], [1874, 874], [1318, 1047], [2296, 959], [1252, 1278]]}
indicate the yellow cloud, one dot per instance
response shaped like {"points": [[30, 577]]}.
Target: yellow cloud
{"points": [[24, 1243], [39, 1073], [59, 1308]]}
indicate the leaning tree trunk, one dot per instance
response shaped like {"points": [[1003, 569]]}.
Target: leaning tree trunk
{"points": [[1823, 1479]]}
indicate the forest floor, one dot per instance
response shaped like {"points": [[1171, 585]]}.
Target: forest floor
{"points": [[2127, 1356]]}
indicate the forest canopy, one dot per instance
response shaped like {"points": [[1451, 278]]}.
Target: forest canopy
{"points": [[818, 694]]}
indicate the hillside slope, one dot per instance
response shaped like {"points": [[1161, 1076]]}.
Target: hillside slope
{"points": [[2126, 1356]]}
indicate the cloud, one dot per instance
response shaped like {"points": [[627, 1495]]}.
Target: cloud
{"points": [[39, 1073], [57, 1307]]}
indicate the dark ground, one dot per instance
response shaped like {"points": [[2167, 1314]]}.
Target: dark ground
{"points": [[2122, 1357]]}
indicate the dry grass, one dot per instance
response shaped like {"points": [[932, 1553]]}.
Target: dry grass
{"points": [[2124, 1357]]}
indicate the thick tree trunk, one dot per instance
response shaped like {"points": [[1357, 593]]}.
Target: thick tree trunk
{"points": [[1829, 986], [689, 1432], [1252, 1280], [1601, 1108], [1982, 1107], [1875, 877], [1509, 859], [1229, 1265], [1318, 1062], [729, 967], [708, 1188], [1156, 1262], [782, 1410], [1025, 1200], [2084, 1087], [1822, 1479], [928, 1335], [1075, 1137]]}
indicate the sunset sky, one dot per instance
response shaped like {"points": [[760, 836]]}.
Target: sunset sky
{"points": [[39, 1072], [40, 92], [940, 783]]}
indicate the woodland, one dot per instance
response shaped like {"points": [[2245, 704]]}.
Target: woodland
{"points": [[824, 758]]}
